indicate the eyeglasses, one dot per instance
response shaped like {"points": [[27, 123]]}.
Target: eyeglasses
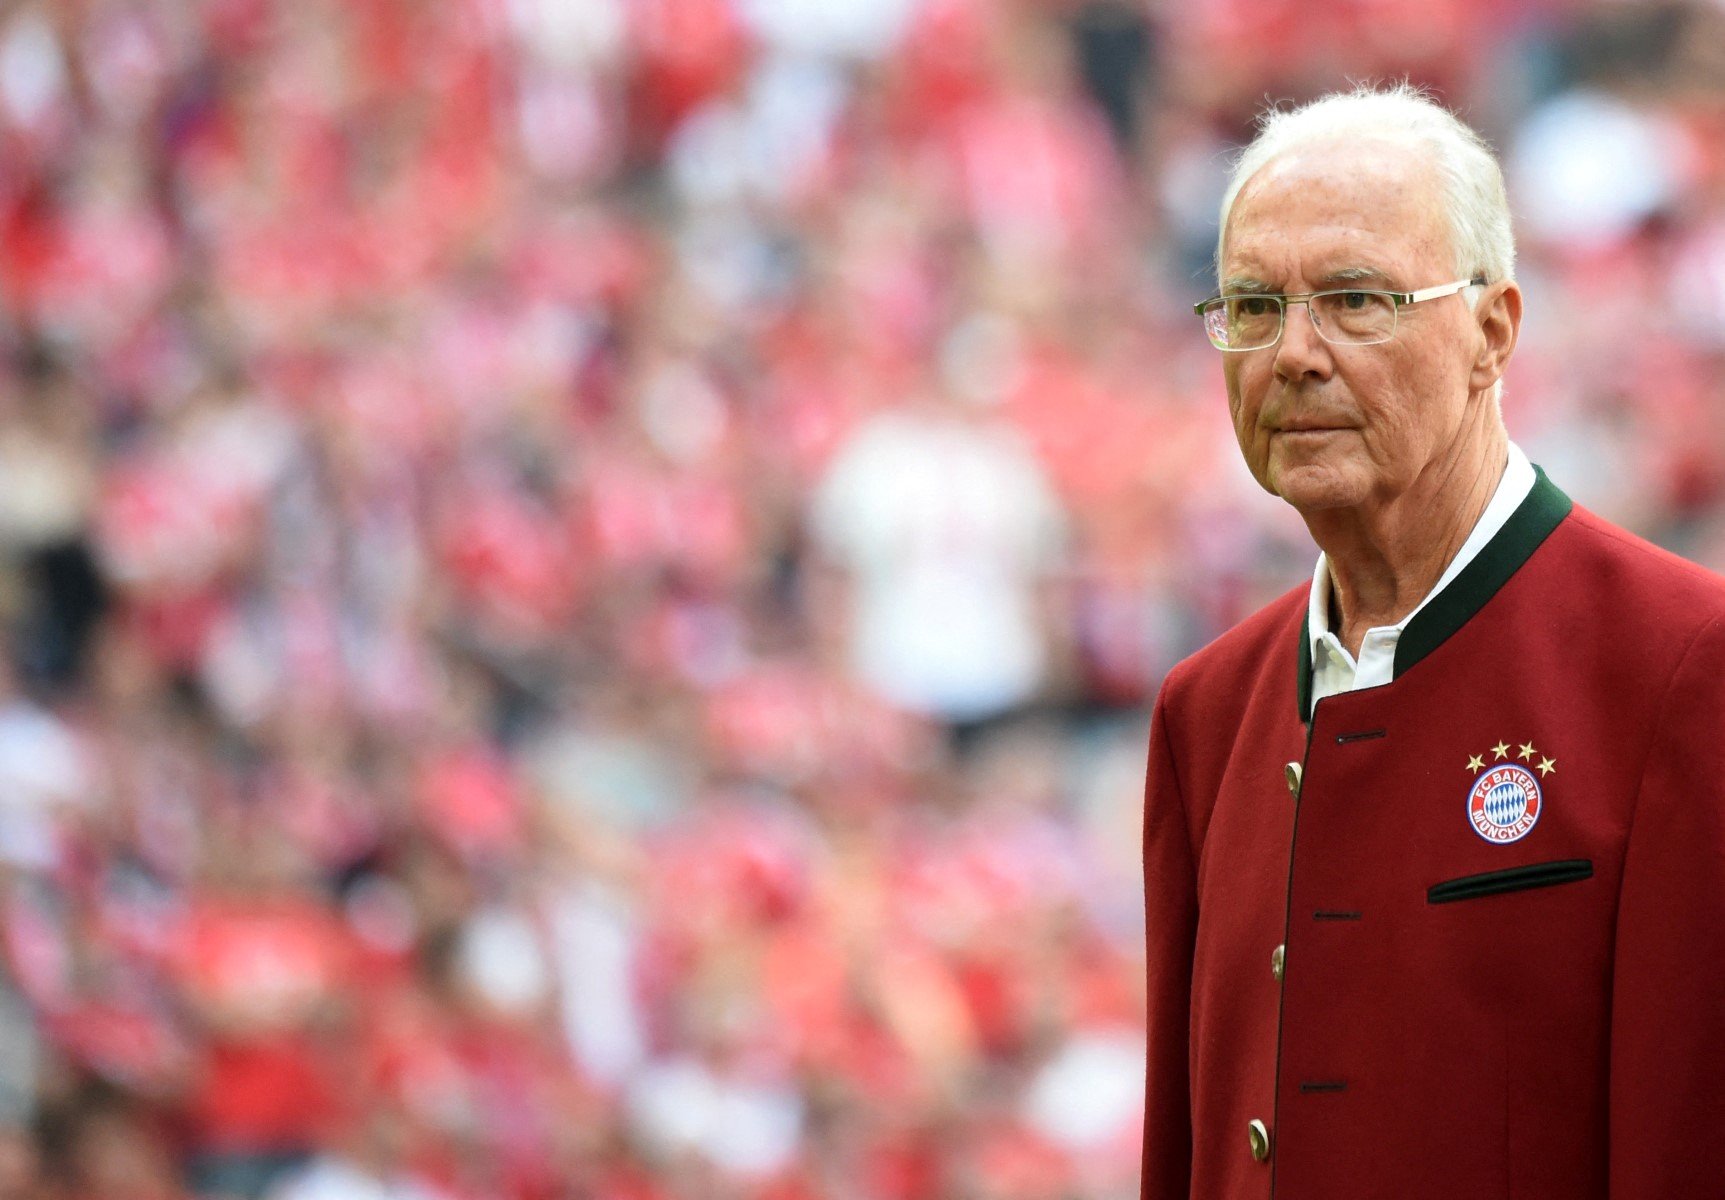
{"points": [[1345, 317]]}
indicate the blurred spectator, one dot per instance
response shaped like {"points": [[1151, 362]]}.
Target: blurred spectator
{"points": [[949, 530], [262, 967]]}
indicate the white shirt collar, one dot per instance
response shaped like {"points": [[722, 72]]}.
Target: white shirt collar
{"points": [[1517, 481]]}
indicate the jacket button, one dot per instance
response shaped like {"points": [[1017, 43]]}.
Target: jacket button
{"points": [[1276, 958], [1292, 773], [1258, 1136]]}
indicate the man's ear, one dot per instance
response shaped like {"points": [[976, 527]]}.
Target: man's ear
{"points": [[1499, 316]]}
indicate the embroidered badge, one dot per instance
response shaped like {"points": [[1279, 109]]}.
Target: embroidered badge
{"points": [[1504, 803]]}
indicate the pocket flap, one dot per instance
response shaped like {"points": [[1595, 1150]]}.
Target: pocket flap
{"points": [[1511, 879]]}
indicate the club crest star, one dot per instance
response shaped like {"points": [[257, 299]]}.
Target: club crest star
{"points": [[1546, 766], [1527, 752], [1476, 762], [1501, 750]]}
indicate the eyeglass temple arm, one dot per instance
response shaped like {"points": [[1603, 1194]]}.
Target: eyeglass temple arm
{"points": [[1442, 289]]}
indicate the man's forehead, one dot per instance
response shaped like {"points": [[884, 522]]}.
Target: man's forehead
{"points": [[1367, 203]]}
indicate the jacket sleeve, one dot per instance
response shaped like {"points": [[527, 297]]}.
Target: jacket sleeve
{"points": [[1668, 999], [1170, 919]]}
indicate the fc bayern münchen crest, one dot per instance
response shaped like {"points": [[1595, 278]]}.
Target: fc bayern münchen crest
{"points": [[1504, 803]]}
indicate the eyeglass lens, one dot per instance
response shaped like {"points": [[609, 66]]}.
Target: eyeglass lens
{"points": [[1249, 322]]}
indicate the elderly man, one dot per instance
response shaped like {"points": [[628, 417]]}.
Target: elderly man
{"points": [[1434, 848]]}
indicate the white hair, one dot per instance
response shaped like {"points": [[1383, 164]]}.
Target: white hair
{"points": [[1476, 203]]}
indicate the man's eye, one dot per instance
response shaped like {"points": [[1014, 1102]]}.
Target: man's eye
{"points": [[1255, 306], [1356, 300]]}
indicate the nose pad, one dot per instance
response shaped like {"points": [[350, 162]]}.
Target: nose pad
{"points": [[1303, 353], [1304, 306]]}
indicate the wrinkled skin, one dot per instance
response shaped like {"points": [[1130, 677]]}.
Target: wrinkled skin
{"points": [[1389, 451]]}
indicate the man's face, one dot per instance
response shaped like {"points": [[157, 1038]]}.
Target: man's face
{"points": [[1327, 426]]}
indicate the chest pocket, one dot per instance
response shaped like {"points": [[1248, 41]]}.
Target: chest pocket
{"points": [[1511, 879]]}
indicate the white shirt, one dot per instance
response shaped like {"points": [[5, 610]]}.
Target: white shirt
{"points": [[947, 528], [1334, 670]]}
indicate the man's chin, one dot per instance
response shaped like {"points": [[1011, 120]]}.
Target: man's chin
{"points": [[1313, 488]]}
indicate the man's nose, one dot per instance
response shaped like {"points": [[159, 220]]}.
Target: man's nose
{"points": [[1301, 352]]}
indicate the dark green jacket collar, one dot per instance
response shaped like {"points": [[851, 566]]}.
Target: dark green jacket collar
{"points": [[1527, 527]]}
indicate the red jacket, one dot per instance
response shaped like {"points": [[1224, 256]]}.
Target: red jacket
{"points": [[1499, 895]]}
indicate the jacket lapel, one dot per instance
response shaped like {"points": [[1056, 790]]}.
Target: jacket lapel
{"points": [[1532, 522]]}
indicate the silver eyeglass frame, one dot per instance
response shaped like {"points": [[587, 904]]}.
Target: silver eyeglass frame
{"points": [[1284, 300]]}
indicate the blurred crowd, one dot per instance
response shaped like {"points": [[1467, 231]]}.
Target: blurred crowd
{"points": [[580, 579]]}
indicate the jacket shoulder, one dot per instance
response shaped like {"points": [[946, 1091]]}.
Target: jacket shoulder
{"points": [[1214, 679], [1651, 592]]}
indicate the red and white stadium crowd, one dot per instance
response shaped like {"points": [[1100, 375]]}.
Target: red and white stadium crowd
{"points": [[580, 581]]}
